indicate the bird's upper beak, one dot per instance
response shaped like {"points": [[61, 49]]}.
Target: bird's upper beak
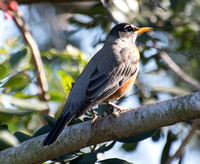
{"points": [[143, 29]]}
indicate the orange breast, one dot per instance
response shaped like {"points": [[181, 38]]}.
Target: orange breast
{"points": [[123, 89]]}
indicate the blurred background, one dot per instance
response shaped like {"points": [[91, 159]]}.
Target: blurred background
{"points": [[68, 34]]}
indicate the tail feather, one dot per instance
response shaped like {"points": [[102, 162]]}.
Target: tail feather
{"points": [[62, 121]]}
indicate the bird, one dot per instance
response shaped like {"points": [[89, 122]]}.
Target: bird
{"points": [[107, 76]]}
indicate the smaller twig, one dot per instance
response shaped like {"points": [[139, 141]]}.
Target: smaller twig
{"points": [[175, 68], [93, 148], [179, 72], [190, 54], [157, 4], [105, 4], [37, 61], [172, 90], [180, 151]]}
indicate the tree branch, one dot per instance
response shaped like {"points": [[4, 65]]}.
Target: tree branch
{"points": [[190, 54], [108, 128], [105, 4]]}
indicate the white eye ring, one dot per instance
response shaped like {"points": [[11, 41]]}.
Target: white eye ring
{"points": [[127, 27]]}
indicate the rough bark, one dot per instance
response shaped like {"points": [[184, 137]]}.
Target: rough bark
{"points": [[128, 123]]}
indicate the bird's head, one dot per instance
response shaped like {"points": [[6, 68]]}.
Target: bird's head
{"points": [[126, 32]]}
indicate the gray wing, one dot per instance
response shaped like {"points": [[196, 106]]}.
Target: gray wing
{"points": [[101, 85]]}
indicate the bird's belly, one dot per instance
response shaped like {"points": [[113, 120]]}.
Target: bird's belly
{"points": [[123, 89]]}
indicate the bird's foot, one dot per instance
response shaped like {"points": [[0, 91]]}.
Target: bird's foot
{"points": [[95, 117], [108, 109], [119, 109]]}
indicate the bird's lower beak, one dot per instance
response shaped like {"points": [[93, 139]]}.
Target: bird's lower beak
{"points": [[143, 29]]}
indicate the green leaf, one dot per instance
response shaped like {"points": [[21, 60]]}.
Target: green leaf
{"points": [[105, 147], [7, 139], [56, 96], [129, 146], [66, 80], [21, 95], [67, 157], [3, 127], [17, 81], [42, 130], [165, 154], [8, 114], [178, 5], [51, 120], [90, 158], [16, 58], [22, 137], [4, 67], [26, 104], [157, 136], [14, 112], [138, 137], [12, 43], [3, 51], [114, 161]]}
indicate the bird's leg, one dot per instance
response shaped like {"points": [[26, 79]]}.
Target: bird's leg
{"points": [[95, 117], [119, 109], [116, 106], [108, 109]]}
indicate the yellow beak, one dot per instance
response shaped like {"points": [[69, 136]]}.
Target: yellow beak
{"points": [[143, 29]]}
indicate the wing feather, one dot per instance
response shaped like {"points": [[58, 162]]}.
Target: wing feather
{"points": [[105, 85]]}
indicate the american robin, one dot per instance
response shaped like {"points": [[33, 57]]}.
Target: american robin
{"points": [[107, 76]]}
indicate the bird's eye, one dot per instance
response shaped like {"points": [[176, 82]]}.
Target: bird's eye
{"points": [[128, 28]]}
